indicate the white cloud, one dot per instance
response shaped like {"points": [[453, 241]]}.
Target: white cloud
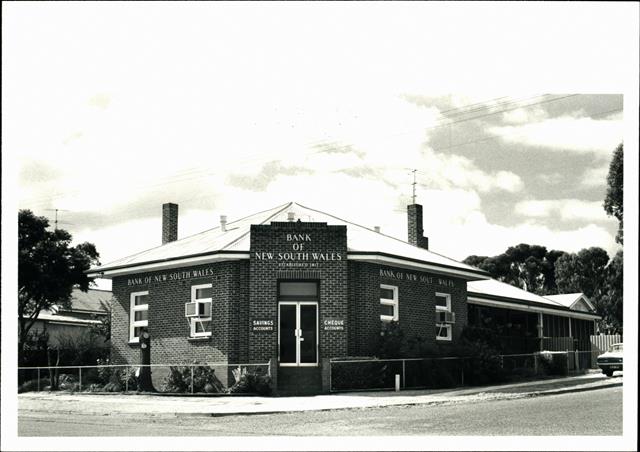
{"points": [[595, 177], [478, 236], [581, 135], [565, 209], [524, 115], [454, 171]]}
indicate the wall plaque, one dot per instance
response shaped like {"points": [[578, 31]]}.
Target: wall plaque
{"points": [[263, 325], [333, 324]]}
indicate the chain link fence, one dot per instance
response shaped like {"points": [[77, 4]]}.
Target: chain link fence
{"points": [[185, 378], [360, 374]]}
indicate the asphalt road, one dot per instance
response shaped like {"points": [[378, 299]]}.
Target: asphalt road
{"points": [[596, 412]]}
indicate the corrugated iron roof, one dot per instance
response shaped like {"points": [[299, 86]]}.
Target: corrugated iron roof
{"points": [[91, 300], [495, 288], [565, 299], [236, 238]]}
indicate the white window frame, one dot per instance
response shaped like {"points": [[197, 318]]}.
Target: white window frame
{"points": [[133, 308], [446, 326], [390, 302], [194, 320]]}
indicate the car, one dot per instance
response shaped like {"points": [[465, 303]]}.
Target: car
{"points": [[611, 360]]}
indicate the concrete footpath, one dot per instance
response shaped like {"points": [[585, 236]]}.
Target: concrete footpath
{"points": [[152, 405]]}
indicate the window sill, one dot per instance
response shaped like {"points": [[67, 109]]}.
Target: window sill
{"points": [[199, 339], [134, 343]]}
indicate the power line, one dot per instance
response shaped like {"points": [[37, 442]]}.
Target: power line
{"points": [[187, 174], [499, 104]]}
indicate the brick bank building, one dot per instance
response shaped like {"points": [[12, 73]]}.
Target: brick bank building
{"points": [[298, 286]]}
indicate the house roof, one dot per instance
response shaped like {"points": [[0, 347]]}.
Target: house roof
{"points": [[495, 288], [569, 300], [93, 300], [51, 317], [491, 290], [236, 240]]}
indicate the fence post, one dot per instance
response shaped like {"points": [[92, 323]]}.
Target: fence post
{"points": [[462, 372], [501, 362], [126, 383], [535, 363], [568, 362], [404, 381], [576, 359], [192, 379], [38, 379], [79, 379]]}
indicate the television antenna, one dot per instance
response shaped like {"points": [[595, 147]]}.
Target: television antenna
{"points": [[56, 217], [413, 196]]}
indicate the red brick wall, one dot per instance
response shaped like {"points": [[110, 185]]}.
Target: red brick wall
{"points": [[265, 273], [416, 305], [245, 290], [169, 327]]}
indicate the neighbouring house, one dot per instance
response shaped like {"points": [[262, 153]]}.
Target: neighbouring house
{"points": [[527, 322], [573, 301], [87, 308], [296, 286]]}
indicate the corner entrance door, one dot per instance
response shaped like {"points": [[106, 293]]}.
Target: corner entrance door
{"points": [[298, 333]]}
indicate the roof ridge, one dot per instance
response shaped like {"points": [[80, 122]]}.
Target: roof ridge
{"points": [[188, 237], [237, 239], [388, 236]]}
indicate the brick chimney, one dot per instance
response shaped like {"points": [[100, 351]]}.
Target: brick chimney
{"points": [[414, 217], [169, 222]]}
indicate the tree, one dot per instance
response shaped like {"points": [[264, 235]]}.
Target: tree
{"points": [[609, 305], [582, 272], [530, 267], [103, 328], [613, 201], [589, 271], [48, 270]]}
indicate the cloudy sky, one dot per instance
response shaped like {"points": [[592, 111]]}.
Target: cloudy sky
{"points": [[111, 110]]}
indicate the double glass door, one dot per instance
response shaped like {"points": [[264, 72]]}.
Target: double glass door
{"points": [[298, 333]]}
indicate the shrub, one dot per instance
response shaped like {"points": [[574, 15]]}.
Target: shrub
{"points": [[439, 374], [104, 373], [179, 380], [81, 350], [393, 341], [254, 382], [32, 385], [481, 364], [474, 334], [365, 375], [553, 363]]}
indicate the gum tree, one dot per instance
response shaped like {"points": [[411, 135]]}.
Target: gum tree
{"points": [[48, 270]]}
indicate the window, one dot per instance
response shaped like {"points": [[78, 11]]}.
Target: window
{"points": [[443, 305], [198, 311], [298, 290], [388, 303], [138, 314]]}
